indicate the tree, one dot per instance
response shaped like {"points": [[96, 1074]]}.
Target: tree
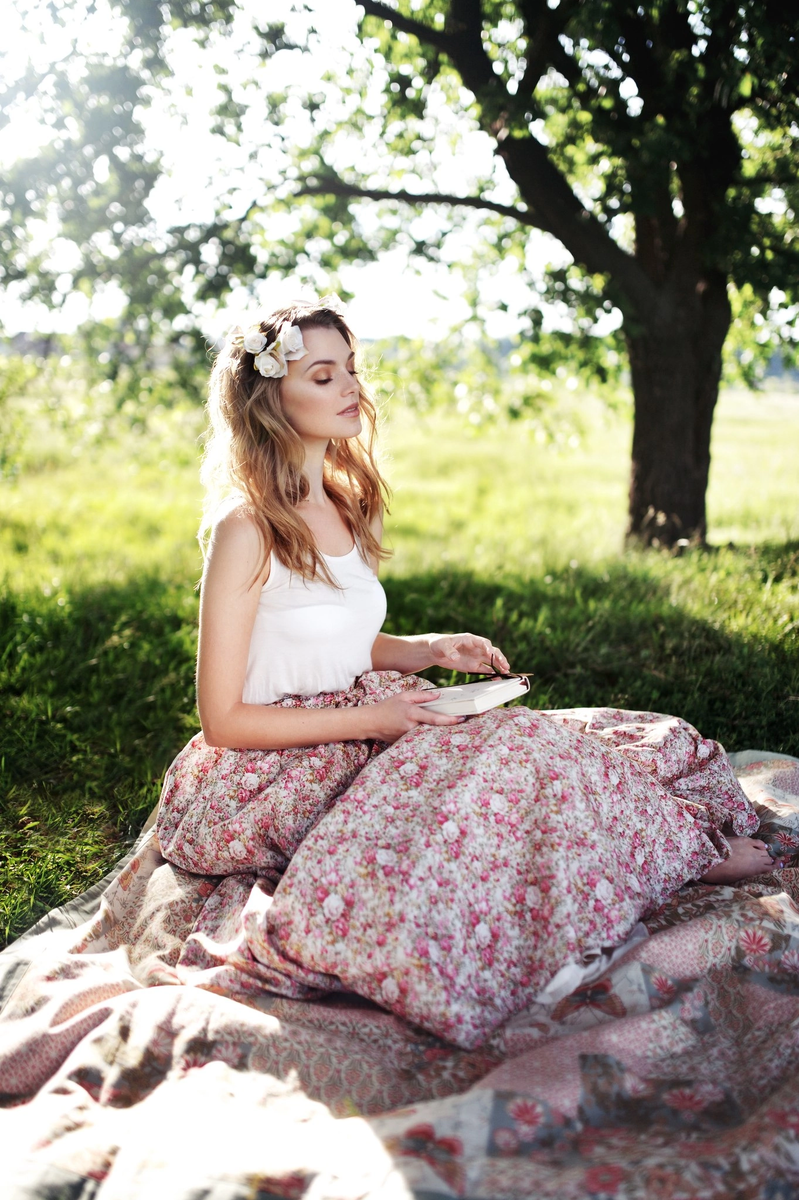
{"points": [[73, 214], [655, 142]]}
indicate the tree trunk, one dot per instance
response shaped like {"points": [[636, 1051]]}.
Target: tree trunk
{"points": [[675, 361]]}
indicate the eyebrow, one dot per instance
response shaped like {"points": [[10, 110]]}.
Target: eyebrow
{"points": [[326, 362]]}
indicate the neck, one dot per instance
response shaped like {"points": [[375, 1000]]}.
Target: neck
{"points": [[313, 469]]}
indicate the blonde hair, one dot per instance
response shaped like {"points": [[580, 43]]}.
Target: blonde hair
{"points": [[254, 457]]}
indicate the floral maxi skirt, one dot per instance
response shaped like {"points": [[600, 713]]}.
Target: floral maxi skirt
{"points": [[449, 876]]}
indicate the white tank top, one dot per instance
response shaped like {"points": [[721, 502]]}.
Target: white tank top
{"points": [[310, 637]]}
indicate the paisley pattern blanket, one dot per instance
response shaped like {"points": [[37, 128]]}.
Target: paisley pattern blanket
{"points": [[145, 1048]]}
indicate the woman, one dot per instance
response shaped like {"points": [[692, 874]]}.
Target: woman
{"points": [[300, 694], [311, 501]]}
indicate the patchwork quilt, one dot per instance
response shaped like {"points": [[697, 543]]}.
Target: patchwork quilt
{"points": [[134, 1062]]}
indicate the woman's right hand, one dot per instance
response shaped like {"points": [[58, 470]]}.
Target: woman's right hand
{"points": [[389, 719]]}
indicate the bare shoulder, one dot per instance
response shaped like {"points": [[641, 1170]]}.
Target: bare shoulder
{"points": [[236, 547], [235, 525]]}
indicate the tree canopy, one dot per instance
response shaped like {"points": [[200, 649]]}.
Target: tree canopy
{"points": [[656, 143]]}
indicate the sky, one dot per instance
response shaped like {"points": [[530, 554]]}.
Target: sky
{"points": [[389, 298]]}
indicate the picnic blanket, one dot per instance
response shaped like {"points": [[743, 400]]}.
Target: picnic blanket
{"points": [[669, 1075]]}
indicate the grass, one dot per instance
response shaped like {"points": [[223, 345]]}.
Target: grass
{"points": [[493, 530], [499, 499]]}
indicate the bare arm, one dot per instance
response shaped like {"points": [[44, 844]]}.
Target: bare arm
{"points": [[457, 652], [230, 592]]}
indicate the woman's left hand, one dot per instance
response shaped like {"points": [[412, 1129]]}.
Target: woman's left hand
{"points": [[467, 653]]}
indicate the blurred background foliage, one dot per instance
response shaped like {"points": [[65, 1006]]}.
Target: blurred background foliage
{"points": [[297, 140]]}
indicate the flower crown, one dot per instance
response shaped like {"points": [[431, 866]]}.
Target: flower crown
{"points": [[271, 360]]}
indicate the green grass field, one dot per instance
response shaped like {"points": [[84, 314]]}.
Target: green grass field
{"points": [[492, 529]]}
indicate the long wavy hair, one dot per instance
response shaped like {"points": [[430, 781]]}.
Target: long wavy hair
{"points": [[254, 458]]}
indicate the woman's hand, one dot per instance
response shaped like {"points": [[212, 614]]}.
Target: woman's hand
{"points": [[389, 719], [467, 653]]}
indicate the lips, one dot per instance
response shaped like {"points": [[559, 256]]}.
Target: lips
{"points": [[352, 411]]}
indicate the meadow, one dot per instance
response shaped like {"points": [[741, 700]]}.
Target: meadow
{"points": [[509, 529]]}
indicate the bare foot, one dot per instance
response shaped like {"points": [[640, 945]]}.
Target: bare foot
{"points": [[748, 857]]}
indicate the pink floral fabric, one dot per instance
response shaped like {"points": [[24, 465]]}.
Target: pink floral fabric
{"points": [[225, 812], [465, 866], [449, 877], [693, 768]]}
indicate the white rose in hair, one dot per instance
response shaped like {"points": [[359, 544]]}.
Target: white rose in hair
{"points": [[254, 340], [291, 343], [271, 366], [333, 302]]}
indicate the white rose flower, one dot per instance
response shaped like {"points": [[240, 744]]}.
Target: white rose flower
{"points": [[532, 897], [499, 803], [450, 831], [271, 366], [386, 858], [433, 952], [291, 344], [331, 300], [254, 340], [482, 934], [390, 990], [604, 890], [238, 849], [408, 768], [249, 781], [333, 907]]}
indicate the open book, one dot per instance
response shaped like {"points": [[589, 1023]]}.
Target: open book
{"points": [[470, 698]]}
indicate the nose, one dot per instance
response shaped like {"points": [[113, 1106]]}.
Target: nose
{"points": [[349, 386]]}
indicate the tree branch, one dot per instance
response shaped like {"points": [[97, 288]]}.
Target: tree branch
{"points": [[460, 40], [544, 25], [425, 33], [649, 54], [328, 185], [551, 204], [557, 210], [466, 49]]}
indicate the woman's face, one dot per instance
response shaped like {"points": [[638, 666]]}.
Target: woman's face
{"points": [[320, 393]]}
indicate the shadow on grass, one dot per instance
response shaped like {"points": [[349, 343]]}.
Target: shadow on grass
{"points": [[97, 696], [621, 636]]}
